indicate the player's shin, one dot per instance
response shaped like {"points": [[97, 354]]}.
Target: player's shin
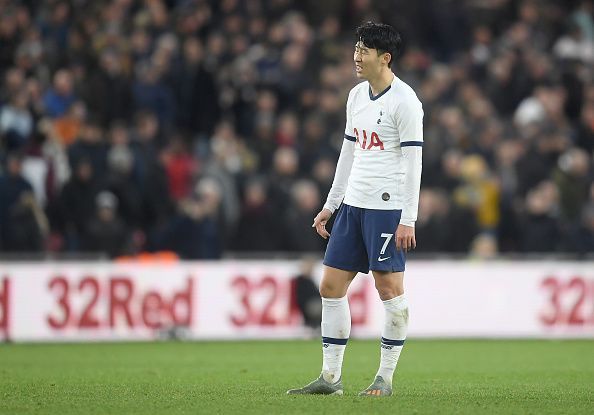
{"points": [[393, 335], [336, 329]]}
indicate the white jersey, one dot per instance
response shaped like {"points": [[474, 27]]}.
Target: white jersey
{"points": [[381, 127]]}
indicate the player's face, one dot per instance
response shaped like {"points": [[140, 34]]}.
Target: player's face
{"points": [[368, 63]]}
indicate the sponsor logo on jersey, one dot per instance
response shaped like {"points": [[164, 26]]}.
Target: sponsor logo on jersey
{"points": [[374, 140]]}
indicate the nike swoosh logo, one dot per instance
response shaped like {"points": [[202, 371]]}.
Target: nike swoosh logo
{"points": [[380, 259]]}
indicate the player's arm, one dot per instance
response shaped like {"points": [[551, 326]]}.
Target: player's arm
{"points": [[410, 126], [341, 177], [336, 194]]}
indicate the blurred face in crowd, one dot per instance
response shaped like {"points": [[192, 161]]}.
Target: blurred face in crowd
{"points": [[288, 124], [369, 62], [63, 82], [158, 13], [210, 196], [323, 170], [14, 165], [119, 134], [313, 129], [255, 194], [537, 203], [140, 41], [106, 213], [266, 101], [148, 126], [306, 195], [110, 63], [216, 44], [84, 171], [91, 133], [20, 100], [330, 27], [14, 80], [60, 13], [286, 161], [294, 58], [193, 50], [78, 111], [575, 162]]}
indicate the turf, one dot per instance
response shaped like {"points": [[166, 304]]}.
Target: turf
{"points": [[434, 377]]}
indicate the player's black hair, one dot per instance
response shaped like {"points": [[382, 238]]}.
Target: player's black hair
{"points": [[382, 37]]}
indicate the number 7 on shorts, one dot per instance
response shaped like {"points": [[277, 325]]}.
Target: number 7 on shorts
{"points": [[388, 236]]}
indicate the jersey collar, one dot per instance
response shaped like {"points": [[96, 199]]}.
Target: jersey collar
{"points": [[373, 98]]}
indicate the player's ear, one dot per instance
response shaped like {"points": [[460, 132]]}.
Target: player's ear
{"points": [[387, 57]]}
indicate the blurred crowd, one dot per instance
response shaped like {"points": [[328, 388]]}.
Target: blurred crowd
{"points": [[205, 127]]}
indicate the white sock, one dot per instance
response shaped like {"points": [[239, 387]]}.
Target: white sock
{"points": [[393, 336], [336, 329]]}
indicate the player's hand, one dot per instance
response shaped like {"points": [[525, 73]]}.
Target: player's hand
{"points": [[320, 223], [405, 238]]}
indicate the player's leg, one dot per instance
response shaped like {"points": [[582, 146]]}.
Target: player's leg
{"points": [[345, 256], [390, 288], [336, 328], [336, 320], [387, 266]]}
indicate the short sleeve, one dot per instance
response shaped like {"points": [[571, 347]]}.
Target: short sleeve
{"points": [[409, 121]]}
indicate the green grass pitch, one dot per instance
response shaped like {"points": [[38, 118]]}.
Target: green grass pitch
{"points": [[434, 377]]}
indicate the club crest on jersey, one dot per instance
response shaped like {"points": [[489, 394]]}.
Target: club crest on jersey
{"points": [[379, 120], [374, 140]]}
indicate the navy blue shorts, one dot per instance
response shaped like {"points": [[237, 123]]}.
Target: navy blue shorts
{"points": [[363, 239]]}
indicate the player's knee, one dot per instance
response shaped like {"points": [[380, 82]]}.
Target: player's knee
{"points": [[326, 290], [330, 290], [388, 291]]}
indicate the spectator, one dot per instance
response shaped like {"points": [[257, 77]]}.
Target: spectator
{"points": [[305, 204], [16, 122], [77, 203], [108, 90], [259, 228], [284, 175], [90, 145], [151, 94], [573, 181], [194, 232], [540, 232], [196, 93], [58, 99], [307, 295], [105, 231], [23, 225]]}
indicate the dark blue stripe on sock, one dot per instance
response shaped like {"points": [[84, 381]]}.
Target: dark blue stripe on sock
{"points": [[332, 340], [392, 342]]}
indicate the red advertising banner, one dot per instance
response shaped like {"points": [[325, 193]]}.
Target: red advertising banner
{"points": [[256, 299], [4, 308]]}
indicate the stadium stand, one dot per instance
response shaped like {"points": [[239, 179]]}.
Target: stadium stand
{"points": [[208, 127]]}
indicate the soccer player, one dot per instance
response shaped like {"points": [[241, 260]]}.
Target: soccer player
{"points": [[377, 179]]}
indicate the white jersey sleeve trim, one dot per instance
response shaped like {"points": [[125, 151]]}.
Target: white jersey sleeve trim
{"points": [[341, 176]]}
